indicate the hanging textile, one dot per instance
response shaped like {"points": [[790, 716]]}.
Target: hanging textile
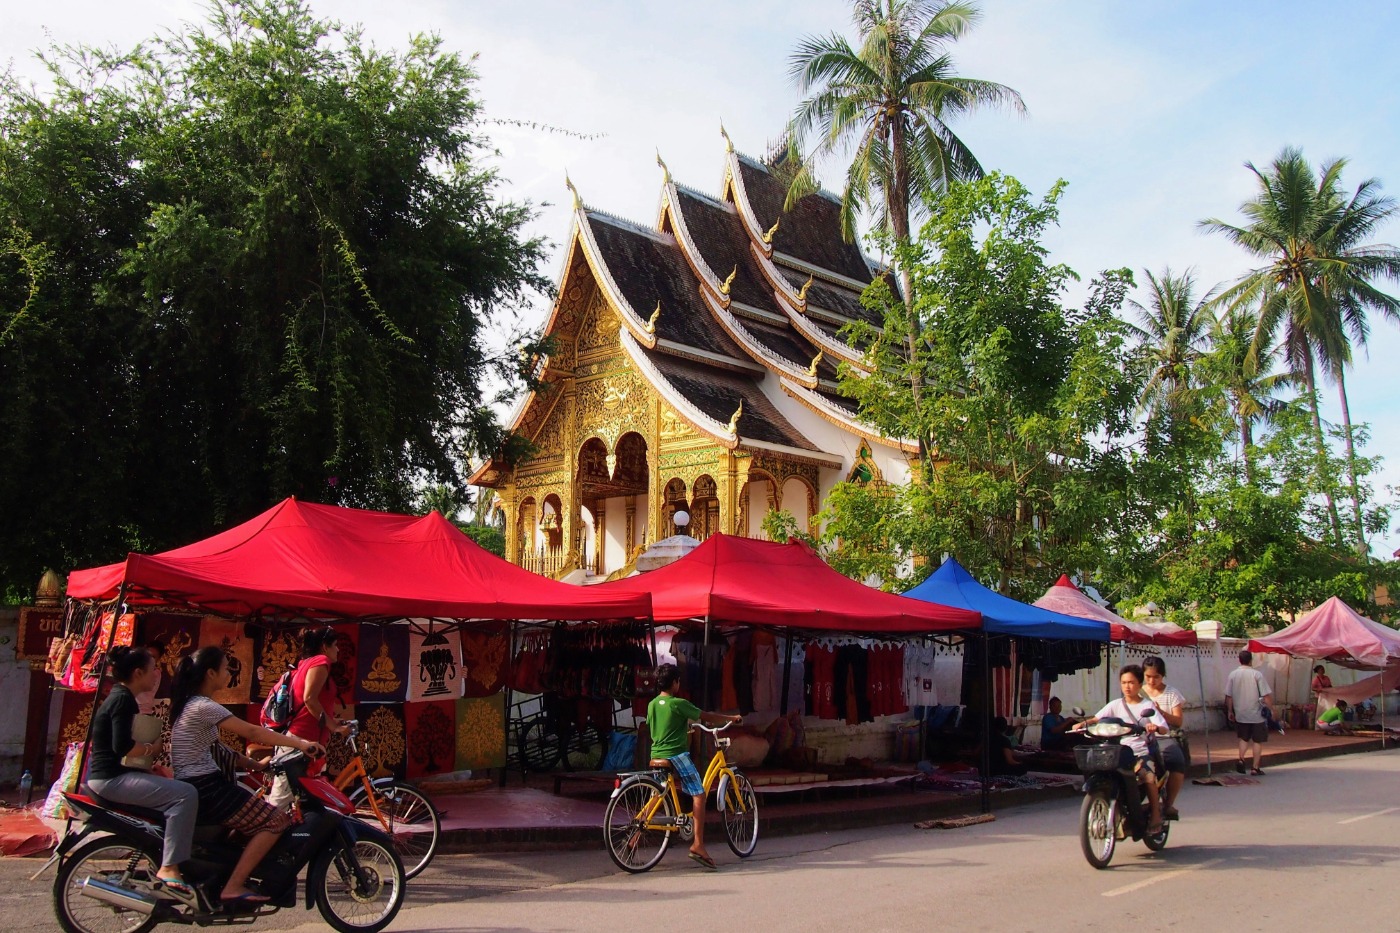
{"points": [[382, 729], [382, 669], [767, 672], [484, 656], [432, 738], [434, 658], [275, 652], [481, 732], [346, 666], [230, 636]]}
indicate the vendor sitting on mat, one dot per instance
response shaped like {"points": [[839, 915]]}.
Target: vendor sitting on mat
{"points": [[1004, 760], [668, 722], [1333, 721], [1054, 728]]}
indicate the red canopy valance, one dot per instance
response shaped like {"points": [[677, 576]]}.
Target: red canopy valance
{"points": [[322, 561]]}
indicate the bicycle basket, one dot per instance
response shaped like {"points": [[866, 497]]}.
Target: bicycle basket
{"points": [[1103, 757]]}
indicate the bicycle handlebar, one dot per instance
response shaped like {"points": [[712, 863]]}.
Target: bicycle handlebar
{"points": [[713, 730]]}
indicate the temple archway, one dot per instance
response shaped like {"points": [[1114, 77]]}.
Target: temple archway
{"points": [[673, 500], [704, 507], [798, 500]]}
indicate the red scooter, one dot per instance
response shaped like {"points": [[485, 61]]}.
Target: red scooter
{"points": [[107, 868]]}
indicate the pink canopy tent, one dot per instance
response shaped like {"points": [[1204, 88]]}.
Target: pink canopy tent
{"points": [[1065, 597], [1338, 633]]}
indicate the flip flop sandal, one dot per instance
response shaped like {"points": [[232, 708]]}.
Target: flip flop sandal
{"points": [[180, 888], [704, 861], [1257, 772], [243, 902]]}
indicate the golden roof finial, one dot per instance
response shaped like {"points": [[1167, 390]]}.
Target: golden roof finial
{"points": [[578, 201], [724, 286], [662, 163], [651, 321], [802, 294], [812, 370], [728, 143], [768, 237], [733, 427]]}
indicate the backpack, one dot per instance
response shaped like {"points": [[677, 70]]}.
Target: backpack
{"points": [[278, 709]]}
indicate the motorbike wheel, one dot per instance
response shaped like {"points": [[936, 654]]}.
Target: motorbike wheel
{"points": [[1097, 827], [413, 821], [115, 863], [360, 902], [1158, 842]]}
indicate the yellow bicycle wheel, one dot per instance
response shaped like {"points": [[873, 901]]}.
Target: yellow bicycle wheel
{"points": [[741, 816], [635, 827]]}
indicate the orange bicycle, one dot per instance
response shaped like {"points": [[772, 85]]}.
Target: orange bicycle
{"points": [[404, 811], [397, 807]]}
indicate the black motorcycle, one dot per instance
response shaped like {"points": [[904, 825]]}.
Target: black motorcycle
{"points": [[107, 869], [1115, 806]]}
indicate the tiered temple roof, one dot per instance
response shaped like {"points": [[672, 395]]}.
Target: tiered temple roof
{"points": [[723, 293]]}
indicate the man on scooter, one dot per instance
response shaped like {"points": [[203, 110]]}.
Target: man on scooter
{"points": [[1136, 709]]}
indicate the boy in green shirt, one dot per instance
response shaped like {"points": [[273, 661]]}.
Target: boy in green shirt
{"points": [[668, 721]]}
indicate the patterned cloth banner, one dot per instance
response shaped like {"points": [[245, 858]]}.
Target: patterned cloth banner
{"points": [[170, 637], [74, 714], [481, 732], [382, 669], [231, 637], [383, 734], [432, 738], [435, 662], [484, 658], [277, 651]]}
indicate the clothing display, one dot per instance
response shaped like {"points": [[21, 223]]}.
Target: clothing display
{"points": [[855, 681]]}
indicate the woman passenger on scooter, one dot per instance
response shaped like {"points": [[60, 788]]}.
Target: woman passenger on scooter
{"points": [[197, 719], [1136, 709], [1172, 705], [111, 777]]}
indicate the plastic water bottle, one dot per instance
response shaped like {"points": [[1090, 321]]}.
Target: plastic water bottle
{"points": [[26, 786]]}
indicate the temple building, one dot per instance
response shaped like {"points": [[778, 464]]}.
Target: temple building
{"points": [[693, 367]]}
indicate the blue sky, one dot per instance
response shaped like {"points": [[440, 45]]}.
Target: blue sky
{"points": [[1148, 110]]}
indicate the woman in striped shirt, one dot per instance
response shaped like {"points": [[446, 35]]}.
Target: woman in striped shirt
{"points": [[197, 720]]}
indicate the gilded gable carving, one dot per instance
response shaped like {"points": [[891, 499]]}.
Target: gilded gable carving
{"points": [[600, 326], [673, 427]]}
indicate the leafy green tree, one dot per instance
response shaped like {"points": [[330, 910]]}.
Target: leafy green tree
{"points": [[251, 258], [1317, 282], [1028, 404], [1245, 375], [1172, 328]]}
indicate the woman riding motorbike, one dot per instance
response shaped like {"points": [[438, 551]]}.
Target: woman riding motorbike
{"points": [[1135, 709], [194, 736]]}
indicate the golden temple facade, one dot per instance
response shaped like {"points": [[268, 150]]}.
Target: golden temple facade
{"points": [[693, 367]]}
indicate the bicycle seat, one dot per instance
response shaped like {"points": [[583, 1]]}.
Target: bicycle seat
{"points": [[659, 763]]}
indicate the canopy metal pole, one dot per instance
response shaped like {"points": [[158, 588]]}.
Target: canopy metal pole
{"points": [[986, 722], [1205, 712], [1107, 673], [705, 668], [787, 674], [510, 699]]}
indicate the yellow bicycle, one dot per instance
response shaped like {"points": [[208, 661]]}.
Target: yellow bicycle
{"points": [[645, 810]]}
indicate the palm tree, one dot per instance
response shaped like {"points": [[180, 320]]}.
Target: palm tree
{"points": [[1246, 377], [891, 98], [1173, 331], [1317, 279]]}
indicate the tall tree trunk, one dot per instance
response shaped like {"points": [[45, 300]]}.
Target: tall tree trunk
{"points": [[1351, 463], [1246, 442], [897, 203], [1320, 441]]}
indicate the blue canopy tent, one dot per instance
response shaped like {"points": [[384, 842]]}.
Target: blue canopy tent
{"points": [[952, 585]]}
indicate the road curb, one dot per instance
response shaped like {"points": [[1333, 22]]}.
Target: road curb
{"points": [[563, 838]]}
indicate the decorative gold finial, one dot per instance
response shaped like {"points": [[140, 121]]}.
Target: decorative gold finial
{"points": [[768, 237], [728, 143], [578, 201], [733, 427], [651, 321], [802, 294], [724, 286], [812, 370], [662, 163]]}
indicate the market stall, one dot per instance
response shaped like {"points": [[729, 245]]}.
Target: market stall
{"points": [[424, 613]]}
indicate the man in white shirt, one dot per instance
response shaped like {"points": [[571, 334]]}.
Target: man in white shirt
{"points": [[1247, 695]]}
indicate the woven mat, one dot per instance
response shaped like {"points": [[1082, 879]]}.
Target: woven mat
{"points": [[1226, 780]]}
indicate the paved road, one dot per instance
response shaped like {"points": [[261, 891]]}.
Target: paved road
{"points": [[1313, 842]]}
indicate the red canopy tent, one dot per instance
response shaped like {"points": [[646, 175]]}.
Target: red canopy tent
{"points": [[299, 559], [739, 580], [1338, 633], [1065, 597]]}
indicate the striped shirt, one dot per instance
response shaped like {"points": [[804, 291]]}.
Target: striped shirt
{"points": [[193, 736]]}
